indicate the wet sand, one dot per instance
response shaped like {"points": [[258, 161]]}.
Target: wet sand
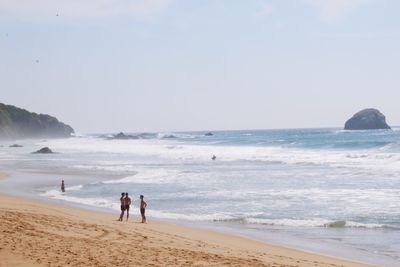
{"points": [[34, 233]]}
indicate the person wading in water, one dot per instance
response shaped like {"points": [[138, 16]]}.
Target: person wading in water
{"points": [[62, 186]]}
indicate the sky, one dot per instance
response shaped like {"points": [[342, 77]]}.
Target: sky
{"points": [[174, 65]]}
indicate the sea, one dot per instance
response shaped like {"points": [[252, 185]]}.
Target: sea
{"points": [[329, 191]]}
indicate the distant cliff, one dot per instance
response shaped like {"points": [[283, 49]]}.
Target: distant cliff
{"points": [[20, 123]]}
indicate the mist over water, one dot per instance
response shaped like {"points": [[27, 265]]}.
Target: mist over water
{"points": [[329, 185]]}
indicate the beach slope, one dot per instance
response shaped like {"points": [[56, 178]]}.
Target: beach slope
{"points": [[34, 233]]}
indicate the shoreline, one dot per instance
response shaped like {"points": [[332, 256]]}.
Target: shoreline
{"points": [[158, 242]]}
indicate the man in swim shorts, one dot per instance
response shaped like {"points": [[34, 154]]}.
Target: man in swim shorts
{"points": [[122, 200], [128, 202], [143, 206]]}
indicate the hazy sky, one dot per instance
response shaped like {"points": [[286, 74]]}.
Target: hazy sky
{"points": [[164, 65]]}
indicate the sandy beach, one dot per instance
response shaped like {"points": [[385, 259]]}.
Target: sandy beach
{"points": [[35, 233]]}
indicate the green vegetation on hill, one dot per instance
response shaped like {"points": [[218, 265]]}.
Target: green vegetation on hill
{"points": [[20, 123]]}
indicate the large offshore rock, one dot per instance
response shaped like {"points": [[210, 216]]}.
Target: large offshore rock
{"points": [[367, 119], [44, 150]]}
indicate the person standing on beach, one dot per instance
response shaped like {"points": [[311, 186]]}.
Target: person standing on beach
{"points": [[122, 200], [128, 202], [143, 206], [62, 186]]}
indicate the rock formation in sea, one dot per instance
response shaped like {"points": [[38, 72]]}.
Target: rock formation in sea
{"points": [[209, 134], [122, 136], [367, 119], [16, 145], [44, 150], [17, 123]]}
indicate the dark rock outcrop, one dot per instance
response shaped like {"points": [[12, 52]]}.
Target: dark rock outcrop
{"points": [[16, 123], [122, 136], [209, 134], [16, 145], [367, 119], [44, 150]]}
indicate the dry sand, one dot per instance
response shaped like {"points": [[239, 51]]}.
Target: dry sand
{"points": [[34, 233]]}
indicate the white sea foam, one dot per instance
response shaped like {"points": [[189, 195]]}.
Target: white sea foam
{"points": [[378, 160], [314, 222], [95, 202], [188, 216], [74, 188], [157, 176]]}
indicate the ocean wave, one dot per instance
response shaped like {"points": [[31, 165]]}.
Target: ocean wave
{"points": [[391, 147], [94, 202], [174, 147], [107, 167], [166, 136], [144, 176], [289, 222], [74, 188], [174, 135], [225, 153], [77, 135], [227, 217], [187, 217], [316, 222], [148, 136]]}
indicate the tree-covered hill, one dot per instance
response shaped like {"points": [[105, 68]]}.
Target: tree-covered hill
{"points": [[20, 123]]}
